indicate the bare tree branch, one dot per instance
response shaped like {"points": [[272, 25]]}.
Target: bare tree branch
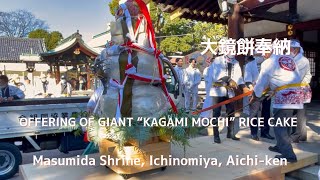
{"points": [[19, 23]]}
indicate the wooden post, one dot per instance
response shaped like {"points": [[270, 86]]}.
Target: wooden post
{"points": [[31, 78], [235, 31], [54, 70], [58, 73], [236, 28], [88, 78], [50, 65]]}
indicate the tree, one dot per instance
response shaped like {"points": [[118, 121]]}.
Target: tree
{"points": [[19, 23], [113, 6], [204, 30], [39, 33], [51, 39], [55, 37]]}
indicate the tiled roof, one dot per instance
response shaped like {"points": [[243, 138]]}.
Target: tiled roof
{"points": [[72, 41], [100, 40], [11, 48]]}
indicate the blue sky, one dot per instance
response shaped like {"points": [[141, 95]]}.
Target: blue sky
{"points": [[90, 17]]}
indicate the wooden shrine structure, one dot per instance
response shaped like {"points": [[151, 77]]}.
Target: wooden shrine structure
{"points": [[72, 51]]}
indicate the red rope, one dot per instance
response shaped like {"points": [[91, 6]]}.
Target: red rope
{"points": [[224, 102]]}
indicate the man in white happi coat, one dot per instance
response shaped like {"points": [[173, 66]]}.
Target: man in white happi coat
{"points": [[208, 101], [51, 79], [15, 81], [180, 72], [299, 133], [280, 71], [64, 88], [45, 87], [225, 74], [191, 80], [252, 70], [29, 92]]}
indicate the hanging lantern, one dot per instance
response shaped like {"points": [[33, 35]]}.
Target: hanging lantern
{"points": [[290, 30], [77, 51], [30, 61], [30, 66]]}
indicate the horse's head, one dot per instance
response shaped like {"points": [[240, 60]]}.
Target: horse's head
{"points": [[97, 69], [130, 24], [101, 69]]}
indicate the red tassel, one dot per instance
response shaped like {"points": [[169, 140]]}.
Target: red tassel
{"points": [[145, 12], [85, 137], [129, 66]]}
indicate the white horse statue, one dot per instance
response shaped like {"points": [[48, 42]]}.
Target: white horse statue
{"points": [[132, 69]]}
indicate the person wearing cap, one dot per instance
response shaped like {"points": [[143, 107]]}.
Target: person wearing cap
{"points": [[29, 92], [15, 81], [8, 92], [299, 133], [251, 73], [50, 78], [225, 76], [191, 80], [45, 88], [64, 88], [82, 82], [280, 74]]}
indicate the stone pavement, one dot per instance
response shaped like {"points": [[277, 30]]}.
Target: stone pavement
{"points": [[200, 147], [313, 130]]}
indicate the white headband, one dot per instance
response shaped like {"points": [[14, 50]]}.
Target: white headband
{"points": [[295, 44]]}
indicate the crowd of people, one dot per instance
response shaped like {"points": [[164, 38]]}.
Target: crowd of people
{"points": [[279, 85], [44, 87]]}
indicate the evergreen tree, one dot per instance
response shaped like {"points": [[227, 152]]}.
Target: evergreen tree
{"points": [[51, 39]]}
